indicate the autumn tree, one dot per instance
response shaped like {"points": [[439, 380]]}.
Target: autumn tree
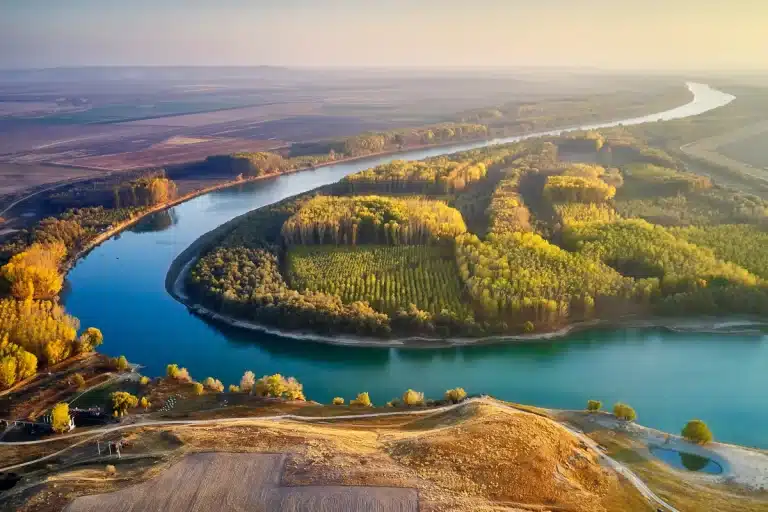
{"points": [[455, 395], [696, 431], [60, 417], [362, 399], [122, 401], [247, 381]]}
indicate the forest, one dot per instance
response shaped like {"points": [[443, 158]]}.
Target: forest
{"points": [[505, 239], [35, 331]]}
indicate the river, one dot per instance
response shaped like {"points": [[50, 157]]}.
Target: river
{"points": [[669, 378]]}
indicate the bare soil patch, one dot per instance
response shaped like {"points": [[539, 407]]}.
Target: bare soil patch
{"points": [[17, 177], [211, 481]]}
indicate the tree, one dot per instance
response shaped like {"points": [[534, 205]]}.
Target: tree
{"points": [[270, 385], [412, 398], [362, 399], [234, 389], [122, 401], [56, 351], [89, 340], [455, 395], [60, 417], [174, 372], [594, 405], [197, 388], [624, 412], [247, 381], [338, 401], [144, 380], [213, 384], [145, 403], [122, 364], [696, 431], [110, 470], [78, 380]]}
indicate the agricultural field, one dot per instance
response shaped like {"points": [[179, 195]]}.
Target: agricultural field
{"points": [[752, 149], [388, 277]]}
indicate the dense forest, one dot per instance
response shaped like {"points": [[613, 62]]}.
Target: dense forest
{"points": [[35, 331], [625, 229]]}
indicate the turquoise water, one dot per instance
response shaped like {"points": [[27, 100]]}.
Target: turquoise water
{"points": [[668, 378], [686, 461]]}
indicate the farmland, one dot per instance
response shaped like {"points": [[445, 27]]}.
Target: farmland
{"points": [[390, 278]]}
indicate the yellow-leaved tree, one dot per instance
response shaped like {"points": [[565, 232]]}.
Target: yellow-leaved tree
{"points": [[60, 417]]}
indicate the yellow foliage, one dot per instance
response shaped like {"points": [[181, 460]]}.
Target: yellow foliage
{"points": [[412, 397], [455, 395], [56, 351], [362, 399], [34, 273], [60, 417]]}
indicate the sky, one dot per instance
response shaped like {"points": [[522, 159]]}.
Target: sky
{"points": [[603, 34]]}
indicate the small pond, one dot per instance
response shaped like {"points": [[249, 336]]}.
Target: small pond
{"points": [[686, 461]]}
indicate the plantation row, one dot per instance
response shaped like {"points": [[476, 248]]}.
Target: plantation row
{"points": [[389, 278]]}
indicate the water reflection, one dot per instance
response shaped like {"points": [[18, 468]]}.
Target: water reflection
{"points": [[159, 221]]}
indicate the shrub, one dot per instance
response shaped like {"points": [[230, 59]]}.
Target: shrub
{"points": [[294, 390], [213, 384], [122, 364], [144, 380], [338, 401], [60, 417], [78, 380], [110, 470], [174, 372], [122, 401], [234, 389], [197, 388], [594, 405], [698, 432], [144, 403], [277, 386], [411, 398], [528, 326], [247, 382], [362, 399], [624, 412], [455, 395]]}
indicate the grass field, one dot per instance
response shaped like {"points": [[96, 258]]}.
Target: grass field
{"points": [[752, 150], [389, 277]]}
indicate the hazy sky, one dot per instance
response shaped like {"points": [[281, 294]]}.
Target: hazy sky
{"points": [[665, 34]]}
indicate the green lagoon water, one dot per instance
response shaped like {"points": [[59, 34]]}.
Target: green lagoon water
{"points": [[668, 378]]}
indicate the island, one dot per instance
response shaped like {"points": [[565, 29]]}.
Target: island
{"points": [[523, 238]]}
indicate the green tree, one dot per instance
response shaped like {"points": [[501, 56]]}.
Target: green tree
{"points": [[60, 417], [594, 405], [455, 395], [122, 401], [624, 412], [698, 432]]}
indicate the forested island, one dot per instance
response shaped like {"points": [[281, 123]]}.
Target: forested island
{"points": [[520, 238]]}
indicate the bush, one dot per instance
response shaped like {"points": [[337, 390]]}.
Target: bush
{"points": [[594, 405], [338, 401], [696, 431], [122, 401], [362, 399], [145, 403], [234, 389], [78, 380], [122, 364], [412, 398], [60, 418], [277, 386], [247, 381], [181, 374], [197, 388], [110, 470], [528, 326], [624, 412], [213, 384], [455, 395], [144, 380]]}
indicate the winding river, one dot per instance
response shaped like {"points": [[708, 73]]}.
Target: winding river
{"points": [[668, 377]]}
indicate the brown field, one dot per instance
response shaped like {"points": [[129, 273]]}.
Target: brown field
{"points": [[211, 481], [17, 177], [170, 152], [256, 114]]}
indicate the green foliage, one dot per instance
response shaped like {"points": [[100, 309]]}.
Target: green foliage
{"points": [[122, 401], [522, 277], [624, 412], [575, 213], [651, 180], [579, 189], [362, 399], [696, 431], [455, 395], [144, 192], [745, 245], [60, 417], [594, 405], [389, 278], [507, 211], [372, 219], [338, 401], [413, 398]]}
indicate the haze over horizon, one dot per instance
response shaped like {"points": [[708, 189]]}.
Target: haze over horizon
{"points": [[629, 35]]}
